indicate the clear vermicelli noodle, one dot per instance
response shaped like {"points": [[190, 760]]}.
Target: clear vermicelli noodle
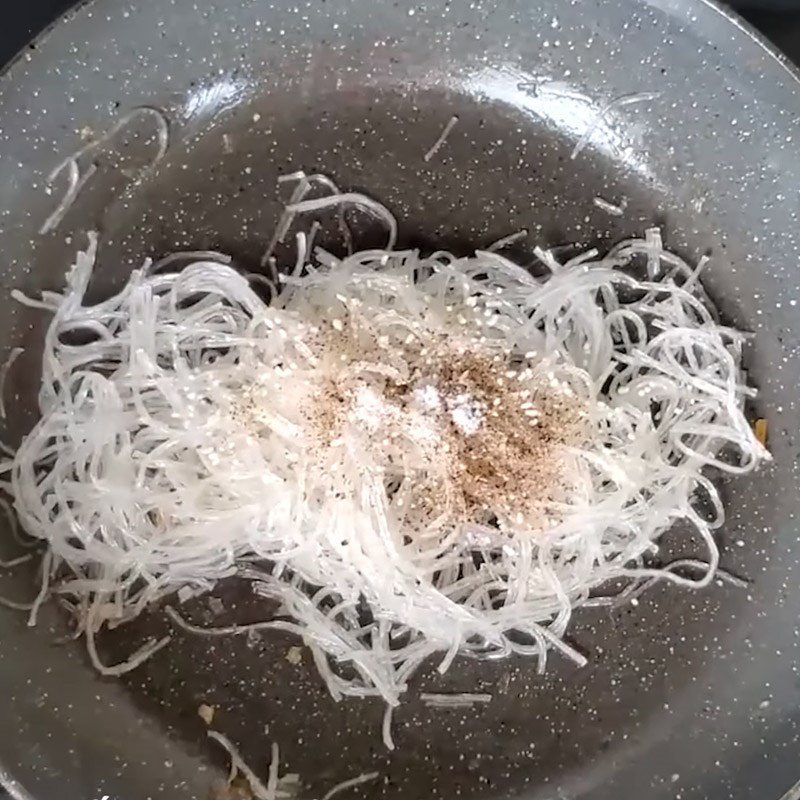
{"points": [[410, 455]]}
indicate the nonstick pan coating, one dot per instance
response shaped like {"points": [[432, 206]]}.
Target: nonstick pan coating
{"points": [[687, 695]]}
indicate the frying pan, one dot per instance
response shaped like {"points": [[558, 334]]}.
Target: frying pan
{"points": [[688, 694]]}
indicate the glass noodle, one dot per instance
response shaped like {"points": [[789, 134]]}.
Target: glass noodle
{"points": [[323, 446]]}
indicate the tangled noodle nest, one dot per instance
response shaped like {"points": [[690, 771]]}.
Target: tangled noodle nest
{"points": [[412, 455]]}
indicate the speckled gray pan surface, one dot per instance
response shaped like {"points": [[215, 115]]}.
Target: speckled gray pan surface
{"points": [[688, 695]]}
